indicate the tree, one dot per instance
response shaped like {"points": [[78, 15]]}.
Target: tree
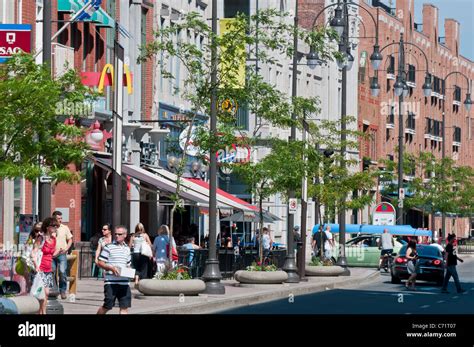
{"points": [[30, 126], [332, 185], [236, 83], [438, 186]]}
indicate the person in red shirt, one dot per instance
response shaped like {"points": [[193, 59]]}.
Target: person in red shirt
{"points": [[45, 268]]}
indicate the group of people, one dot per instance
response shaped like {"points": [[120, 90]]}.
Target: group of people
{"points": [[323, 243], [135, 251], [46, 258], [450, 256]]}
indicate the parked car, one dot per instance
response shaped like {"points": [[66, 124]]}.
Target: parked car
{"points": [[364, 251], [431, 265]]}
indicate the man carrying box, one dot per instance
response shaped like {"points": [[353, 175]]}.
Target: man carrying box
{"points": [[115, 258]]}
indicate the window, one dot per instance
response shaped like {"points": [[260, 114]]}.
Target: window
{"points": [[233, 7], [391, 66], [457, 93], [7, 12], [411, 73], [457, 134]]}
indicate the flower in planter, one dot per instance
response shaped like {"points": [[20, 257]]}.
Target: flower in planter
{"points": [[258, 267], [179, 273]]}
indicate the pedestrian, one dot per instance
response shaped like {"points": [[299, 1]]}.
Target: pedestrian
{"points": [[296, 236], [190, 246], [161, 247], [28, 266], [114, 258], [103, 241], [412, 267], [63, 244], [267, 242], [329, 243], [386, 245], [451, 258], [49, 250], [139, 260], [319, 239]]}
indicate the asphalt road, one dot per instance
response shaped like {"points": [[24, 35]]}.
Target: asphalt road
{"points": [[378, 296]]}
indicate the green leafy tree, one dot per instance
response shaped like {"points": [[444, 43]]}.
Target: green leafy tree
{"points": [[30, 125], [233, 48]]}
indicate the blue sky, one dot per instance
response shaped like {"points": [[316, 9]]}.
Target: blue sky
{"points": [[462, 11]]}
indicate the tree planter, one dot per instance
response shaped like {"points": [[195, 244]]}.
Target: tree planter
{"points": [[171, 287], [324, 270], [261, 277]]}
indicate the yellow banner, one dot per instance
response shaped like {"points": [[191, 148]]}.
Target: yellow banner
{"points": [[234, 69]]}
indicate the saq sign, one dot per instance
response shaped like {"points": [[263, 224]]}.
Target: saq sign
{"points": [[14, 38]]}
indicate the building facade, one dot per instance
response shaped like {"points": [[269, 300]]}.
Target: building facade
{"points": [[423, 120]]}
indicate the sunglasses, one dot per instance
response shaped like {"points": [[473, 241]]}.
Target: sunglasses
{"points": [[105, 229], [119, 234]]}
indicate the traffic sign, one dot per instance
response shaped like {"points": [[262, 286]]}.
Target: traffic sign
{"points": [[292, 204]]}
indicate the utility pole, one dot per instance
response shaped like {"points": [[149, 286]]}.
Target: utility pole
{"points": [[401, 79]]}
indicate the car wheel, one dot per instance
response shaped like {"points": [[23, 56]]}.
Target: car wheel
{"points": [[396, 280]]}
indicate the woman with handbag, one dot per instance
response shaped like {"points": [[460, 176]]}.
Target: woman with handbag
{"points": [[412, 267], [45, 267], [141, 244]]}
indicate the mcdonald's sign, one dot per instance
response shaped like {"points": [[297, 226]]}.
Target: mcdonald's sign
{"points": [[106, 78]]}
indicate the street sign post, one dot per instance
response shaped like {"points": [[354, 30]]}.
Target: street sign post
{"points": [[293, 204]]}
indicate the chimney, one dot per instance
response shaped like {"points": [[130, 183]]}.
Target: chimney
{"points": [[451, 31], [430, 21], [405, 12]]}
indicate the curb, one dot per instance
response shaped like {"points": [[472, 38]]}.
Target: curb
{"points": [[223, 303]]}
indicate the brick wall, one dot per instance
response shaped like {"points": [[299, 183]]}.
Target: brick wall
{"points": [[442, 59]]}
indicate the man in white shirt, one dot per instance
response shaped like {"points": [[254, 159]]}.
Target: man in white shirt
{"points": [[386, 244], [63, 244], [329, 244]]}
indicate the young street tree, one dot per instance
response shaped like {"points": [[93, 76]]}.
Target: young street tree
{"points": [[238, 85], [30, 126], [438, 185]]}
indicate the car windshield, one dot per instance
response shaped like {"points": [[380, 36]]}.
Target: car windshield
{"points": [[422, 251]]}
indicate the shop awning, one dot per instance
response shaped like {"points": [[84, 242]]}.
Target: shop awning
{"points": [[99, 17], [202, 187], [156, 181], [191, 190]]}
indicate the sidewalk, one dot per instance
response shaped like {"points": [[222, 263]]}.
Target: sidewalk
{"points": [[90, 295]]}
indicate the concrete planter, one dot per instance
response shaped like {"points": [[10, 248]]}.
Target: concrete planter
{"points": [[324, 270], [261, 277], [171, 287]]}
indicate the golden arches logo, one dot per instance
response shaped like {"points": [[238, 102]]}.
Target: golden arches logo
{"points": [[109, 68]]}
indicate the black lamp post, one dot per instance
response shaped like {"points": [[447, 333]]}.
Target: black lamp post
{"points": [[212, 274], [401, 90], [340, 23], [467, 105]]}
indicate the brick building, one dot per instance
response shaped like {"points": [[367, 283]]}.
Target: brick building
{"points": [[423, 124], [87, 47]]}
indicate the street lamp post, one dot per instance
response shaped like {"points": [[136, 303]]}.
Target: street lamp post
{"points": [[212, 275], [467, 105], [340, 23], [290, 264], [401, 90]]}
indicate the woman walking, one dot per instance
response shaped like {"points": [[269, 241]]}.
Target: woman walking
{"points": [[45, 268], [412, 267], [104, 240], [140, 261]]}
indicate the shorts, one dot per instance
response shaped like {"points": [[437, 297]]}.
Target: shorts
{"points": [[47, 278], [113, 292], [386, 251]]}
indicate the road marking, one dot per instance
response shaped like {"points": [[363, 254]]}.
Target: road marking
{"points": [[440, 302], [456, 297], [425, 306], [408, 313]]}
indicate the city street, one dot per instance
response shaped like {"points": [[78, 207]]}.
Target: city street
{"points": [[379, 296]]}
